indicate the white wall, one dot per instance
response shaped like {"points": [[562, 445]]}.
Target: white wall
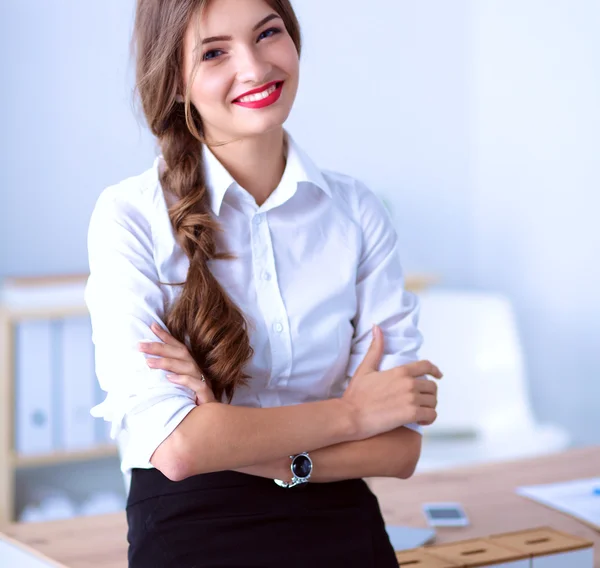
{"points": [[385, 95], [68, 126], [536, 150]]}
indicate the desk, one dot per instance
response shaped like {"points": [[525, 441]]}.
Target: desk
{"points": [[487, 492]]}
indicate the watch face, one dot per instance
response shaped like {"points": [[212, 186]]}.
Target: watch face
{"points": [[302, 466]]}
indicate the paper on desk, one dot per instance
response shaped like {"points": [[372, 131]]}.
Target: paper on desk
{"points": [[574, 497], [404, 538], [12, 555]]}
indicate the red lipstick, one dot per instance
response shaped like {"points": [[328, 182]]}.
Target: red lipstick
{"points": [[268, 101]]}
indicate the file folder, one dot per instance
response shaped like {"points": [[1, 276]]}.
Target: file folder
{"points": [[33, 387], [78, 388]]}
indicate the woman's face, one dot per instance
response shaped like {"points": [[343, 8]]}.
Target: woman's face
{"points": [[243, 45]]}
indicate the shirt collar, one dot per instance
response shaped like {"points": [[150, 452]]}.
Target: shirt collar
{"points": [[299, 169], [218, 179]]}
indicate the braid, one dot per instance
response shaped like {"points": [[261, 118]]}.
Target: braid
{"points": [[218, 338]]}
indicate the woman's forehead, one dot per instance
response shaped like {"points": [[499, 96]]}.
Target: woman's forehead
{"points": [[223, 18]]}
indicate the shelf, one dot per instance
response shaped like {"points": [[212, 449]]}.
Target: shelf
{"points": [[16, 314], [45, 280], [61, 457], [418, 282], [44, 297]]}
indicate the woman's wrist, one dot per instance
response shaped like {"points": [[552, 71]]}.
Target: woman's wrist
{"points": [[345, 418], [276, 469]]}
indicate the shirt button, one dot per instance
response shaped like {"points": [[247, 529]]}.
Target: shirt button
{"points": [[266, 276], [278, 327], [258, 219]]}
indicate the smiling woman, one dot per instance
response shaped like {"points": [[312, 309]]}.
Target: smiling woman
{"points": [[249, 279]]}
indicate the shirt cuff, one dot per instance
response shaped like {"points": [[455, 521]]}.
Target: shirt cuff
{"points": [[143, 429], [416, 427]]}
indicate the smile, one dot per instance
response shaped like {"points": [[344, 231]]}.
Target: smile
{"points": [[263, 98]]}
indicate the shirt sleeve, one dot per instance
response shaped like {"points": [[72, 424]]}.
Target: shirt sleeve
{"points": [[123, 298], [381, 297]]}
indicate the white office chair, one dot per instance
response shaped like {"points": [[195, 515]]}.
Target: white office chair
{"points": [[484, 411]]}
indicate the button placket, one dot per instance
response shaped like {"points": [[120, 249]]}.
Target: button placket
{"points": [[270, 301]]}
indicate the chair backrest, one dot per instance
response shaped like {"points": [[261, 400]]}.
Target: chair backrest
{"points": [[472, 337]]}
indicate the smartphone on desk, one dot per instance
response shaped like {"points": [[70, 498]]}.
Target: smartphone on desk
{"points": [[445, 515]]}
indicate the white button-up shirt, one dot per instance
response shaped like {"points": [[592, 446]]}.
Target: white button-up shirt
{"points": [[316, 266]]}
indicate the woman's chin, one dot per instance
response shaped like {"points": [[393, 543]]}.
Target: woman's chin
{"points": [[249, 126], [264, 120], [259, 128]]}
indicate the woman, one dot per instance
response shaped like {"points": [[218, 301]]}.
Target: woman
{"points": [[250, 281]]}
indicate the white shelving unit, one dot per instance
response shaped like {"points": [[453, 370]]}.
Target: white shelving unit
{"points": [[15, 307]]}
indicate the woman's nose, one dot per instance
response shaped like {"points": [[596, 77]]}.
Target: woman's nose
{"points": [[252, 67]]}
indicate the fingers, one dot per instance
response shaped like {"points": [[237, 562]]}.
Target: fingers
{"points": [[169, 347], [162, 349], [165, 335], [426, 386], [203, 391], [428, 401], [194, 383], [173, 365], [170, 356], [426, 416], [372, 358], [419, 368]]}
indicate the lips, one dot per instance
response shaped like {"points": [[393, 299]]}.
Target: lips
{"points": [[259, 90], [261, 98]]}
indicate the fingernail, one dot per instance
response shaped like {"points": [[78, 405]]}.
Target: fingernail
{"points": [[170, 376]]}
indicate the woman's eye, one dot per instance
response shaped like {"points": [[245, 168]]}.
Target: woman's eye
{"points": [[268, 33], [212, 54]]}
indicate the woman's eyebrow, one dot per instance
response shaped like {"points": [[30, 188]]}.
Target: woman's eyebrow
{"points": [[229, 38]]}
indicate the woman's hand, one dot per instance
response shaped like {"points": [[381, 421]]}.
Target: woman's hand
{"points": [[173, 356], [381, 401]]}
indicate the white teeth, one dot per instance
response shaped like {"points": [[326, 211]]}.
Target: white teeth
{"points": [[259, 96]]}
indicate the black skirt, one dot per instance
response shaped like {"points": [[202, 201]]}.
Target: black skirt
{"points": [[234, 520]]}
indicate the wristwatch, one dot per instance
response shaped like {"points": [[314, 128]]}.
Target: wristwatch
{"points": [[301, 467]]}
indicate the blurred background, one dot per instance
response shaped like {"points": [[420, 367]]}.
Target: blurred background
{"points": [[476, 121]]}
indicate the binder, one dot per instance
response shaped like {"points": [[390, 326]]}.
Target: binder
{"points": [[33, 387], [77, 384]]}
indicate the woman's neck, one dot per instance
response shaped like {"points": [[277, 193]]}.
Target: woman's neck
{"points": [[256, 164]]}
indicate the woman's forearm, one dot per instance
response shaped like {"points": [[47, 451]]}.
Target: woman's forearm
{"points": [[393, 454], [216, 437]]}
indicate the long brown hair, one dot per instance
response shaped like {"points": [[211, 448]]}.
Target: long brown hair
{"points": [[203, 316]]}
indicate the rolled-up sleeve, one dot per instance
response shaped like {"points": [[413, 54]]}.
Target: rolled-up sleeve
{"points": [[123, 298], [381, 297]]}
